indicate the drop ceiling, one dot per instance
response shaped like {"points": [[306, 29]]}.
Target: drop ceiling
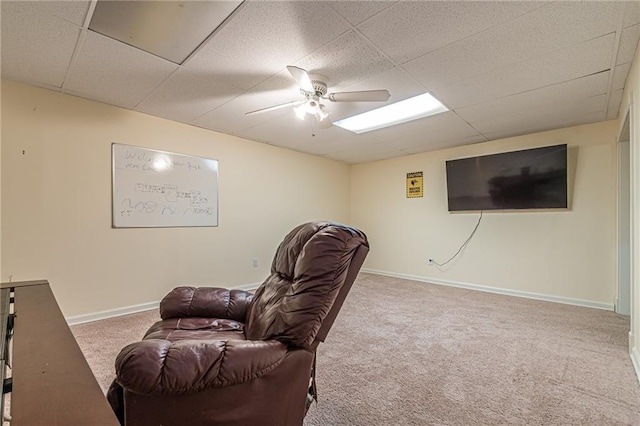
{"points": [[502, 68]]}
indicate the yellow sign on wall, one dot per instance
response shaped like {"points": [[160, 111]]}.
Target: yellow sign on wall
{"points": [[414, 185]]}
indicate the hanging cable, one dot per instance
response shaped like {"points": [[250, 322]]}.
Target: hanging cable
{"points": [[463, 244]]}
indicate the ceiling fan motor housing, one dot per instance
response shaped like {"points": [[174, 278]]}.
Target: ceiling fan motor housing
{"points": [[319, 84]]}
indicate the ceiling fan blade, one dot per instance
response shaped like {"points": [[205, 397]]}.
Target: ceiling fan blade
{"points": [[275, 107], [363, 96], [301, 77]]}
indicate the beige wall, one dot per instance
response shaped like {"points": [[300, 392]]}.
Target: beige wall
{"points": [[568, 254], [56, 199], [631, 104]]}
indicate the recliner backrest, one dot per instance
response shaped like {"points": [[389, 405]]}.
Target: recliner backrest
{"points": [[312, 265]]}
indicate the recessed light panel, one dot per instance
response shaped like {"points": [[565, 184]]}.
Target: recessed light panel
{"points": [[400, 112]]}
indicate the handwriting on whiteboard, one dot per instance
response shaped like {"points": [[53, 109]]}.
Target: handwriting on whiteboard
{"points": [[156, 188]]}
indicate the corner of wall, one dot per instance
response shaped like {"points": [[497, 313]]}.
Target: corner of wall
{"points": [[634, 351]]}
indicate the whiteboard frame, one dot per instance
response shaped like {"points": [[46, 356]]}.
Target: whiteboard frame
{"points": [[118, 224]]}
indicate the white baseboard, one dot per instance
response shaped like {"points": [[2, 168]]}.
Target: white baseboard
{"points": [[111, 313], [488, 289], [635, 360], [80, 319]]}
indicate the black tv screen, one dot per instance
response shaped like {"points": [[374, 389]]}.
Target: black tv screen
{"points": [[528, 179]]}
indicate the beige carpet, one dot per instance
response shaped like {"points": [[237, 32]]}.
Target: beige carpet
{"points": [[408, 353]]}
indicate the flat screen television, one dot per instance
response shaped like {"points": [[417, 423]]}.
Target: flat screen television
{"points": [[528, 179]]}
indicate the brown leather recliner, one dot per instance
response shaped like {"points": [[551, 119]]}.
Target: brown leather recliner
{"points": [[227, 357]]}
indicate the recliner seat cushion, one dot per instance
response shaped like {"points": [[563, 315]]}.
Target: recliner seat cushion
{"points": [[175, 329]]}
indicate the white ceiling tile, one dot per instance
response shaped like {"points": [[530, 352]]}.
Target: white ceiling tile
{"points": [[289, 131], [467, 140], [592, 117], [230, 117], [556, 95], [115, 73], [620, 76], [331, 140], [263, 38], [586, 91], [187, 95], [551, 122], [628, 44], [399, 84], [279, 89], [358, 158], [327, 146], [73, 11], [345, 61], [36, 47], [614, 104], [357, 12], [535, 119], [632, 13], [436, 130], [365, 148], [547, 29], [569, 101], [411, 29], [561, 65]]}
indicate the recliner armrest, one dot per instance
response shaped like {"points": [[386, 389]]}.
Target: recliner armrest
{"points": [[208, 302], [160, 367]]}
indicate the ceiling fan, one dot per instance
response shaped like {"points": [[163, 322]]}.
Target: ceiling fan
{"points": [[314, 89]]}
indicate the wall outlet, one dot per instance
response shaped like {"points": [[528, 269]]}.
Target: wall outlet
{"points": [[430, 262], [255, 262]]}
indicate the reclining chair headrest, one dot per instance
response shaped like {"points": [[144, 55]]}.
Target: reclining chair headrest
{"points": [[311, 266]]}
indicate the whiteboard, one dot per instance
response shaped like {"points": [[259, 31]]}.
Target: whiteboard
{"points": [[153, 188]]}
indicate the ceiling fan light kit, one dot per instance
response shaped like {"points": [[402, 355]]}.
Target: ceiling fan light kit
{"points": [[311, 107], [410, 109]]}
